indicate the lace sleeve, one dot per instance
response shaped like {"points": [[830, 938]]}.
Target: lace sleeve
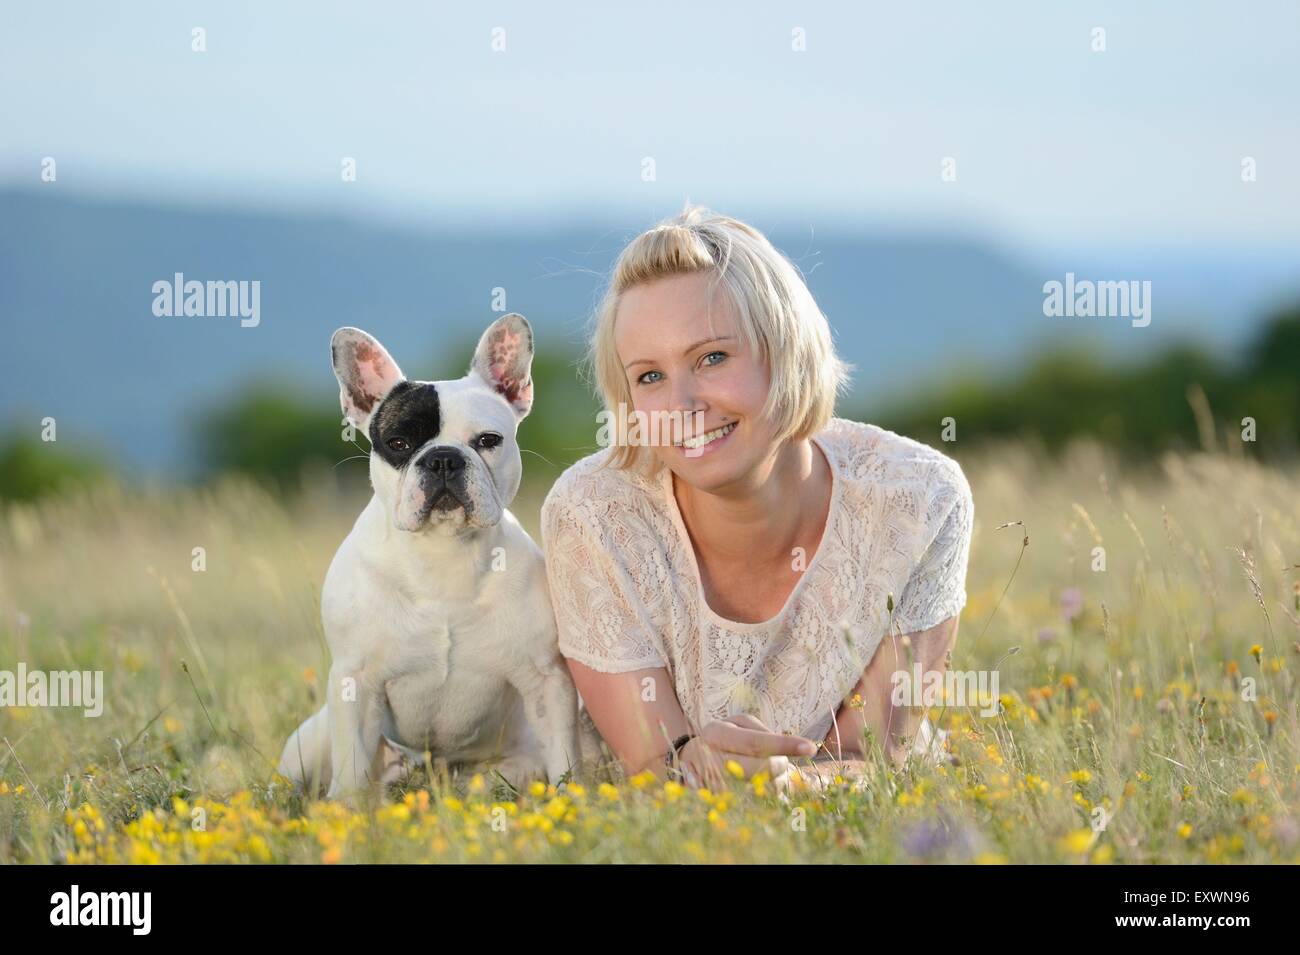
{"points": [[936, 589], [602, 621]]}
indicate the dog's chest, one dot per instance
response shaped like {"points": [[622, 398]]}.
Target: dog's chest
{"points": [[462, 716], [443, 684]]}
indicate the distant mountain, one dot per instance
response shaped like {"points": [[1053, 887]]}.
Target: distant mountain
{"points": [[82, 342]]}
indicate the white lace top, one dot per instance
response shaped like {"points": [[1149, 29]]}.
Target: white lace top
{"points": [[627, 595]]}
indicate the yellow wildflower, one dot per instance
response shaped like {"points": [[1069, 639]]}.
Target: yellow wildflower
{"points": [[1079, 841]]}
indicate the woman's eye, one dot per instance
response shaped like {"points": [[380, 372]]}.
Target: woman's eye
{"points": [[489, 439], [721, 355], [399, 444], [642, 379]]}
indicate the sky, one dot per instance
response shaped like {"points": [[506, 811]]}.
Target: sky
{"points": [[1056, 145]]}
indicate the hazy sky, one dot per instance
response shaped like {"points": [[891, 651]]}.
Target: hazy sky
{"points": [[1055, 145]]}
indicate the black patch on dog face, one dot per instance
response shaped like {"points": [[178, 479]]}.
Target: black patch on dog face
{"points": [[410, 412]]}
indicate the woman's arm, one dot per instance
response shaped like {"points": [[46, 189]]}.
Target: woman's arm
{"points": [[636, 712], [639, 716], [936, 587], [888, 723]]}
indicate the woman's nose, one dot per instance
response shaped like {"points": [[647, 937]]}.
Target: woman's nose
{"points": [[685, 396], [687, 411]]}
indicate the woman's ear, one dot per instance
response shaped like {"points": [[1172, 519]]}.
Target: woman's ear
{"points": [[504, 359]]}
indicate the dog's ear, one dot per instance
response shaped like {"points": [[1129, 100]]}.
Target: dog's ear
{"points": [[504, 359], [366, 373]]}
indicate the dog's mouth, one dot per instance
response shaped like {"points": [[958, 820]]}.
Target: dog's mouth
{"points": [[446, 499], [427, 502]]}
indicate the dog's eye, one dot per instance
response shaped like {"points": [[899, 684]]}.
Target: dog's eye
{"points": [[399, 444], [488, 439]]}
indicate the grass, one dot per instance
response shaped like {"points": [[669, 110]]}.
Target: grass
{"points": [[1131, 691]]}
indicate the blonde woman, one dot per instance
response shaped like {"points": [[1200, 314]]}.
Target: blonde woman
{"points": [[725, 592]]}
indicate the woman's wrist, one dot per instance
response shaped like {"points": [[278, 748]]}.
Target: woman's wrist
{"points": [[672, 757], [689, 762]]}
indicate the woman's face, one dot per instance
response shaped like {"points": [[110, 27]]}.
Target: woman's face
{"points": [[681, 356]]}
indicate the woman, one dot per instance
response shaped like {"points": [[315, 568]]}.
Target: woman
{"points": [[724, 593]]}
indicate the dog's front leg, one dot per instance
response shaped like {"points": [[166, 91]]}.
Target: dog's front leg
{"points": [[551, 707], [354, 728]]}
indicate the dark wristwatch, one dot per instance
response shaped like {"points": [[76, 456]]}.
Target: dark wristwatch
{"points": [[673, 757]]}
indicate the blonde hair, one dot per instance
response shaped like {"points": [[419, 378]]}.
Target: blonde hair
{"points": [[777, 315]]}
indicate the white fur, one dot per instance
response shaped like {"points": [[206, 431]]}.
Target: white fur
{"points": [[441, 627]]}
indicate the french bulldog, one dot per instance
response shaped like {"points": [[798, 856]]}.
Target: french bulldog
{"points": [[435, 607]]}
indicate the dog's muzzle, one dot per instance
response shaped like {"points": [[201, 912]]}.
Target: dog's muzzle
{"points": [[444, 478]]}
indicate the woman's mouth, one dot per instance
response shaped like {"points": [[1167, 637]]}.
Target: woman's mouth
{"points": [[707, 442]]}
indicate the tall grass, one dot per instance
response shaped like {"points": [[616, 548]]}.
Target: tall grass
{"points": [[1130, 691]]}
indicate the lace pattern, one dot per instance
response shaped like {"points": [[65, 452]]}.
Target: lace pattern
{"points": [[627, 595]]}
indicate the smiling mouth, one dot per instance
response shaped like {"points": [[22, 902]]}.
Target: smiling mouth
{"points": [[695, 444]]}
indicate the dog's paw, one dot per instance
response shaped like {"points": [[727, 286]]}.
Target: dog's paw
{"points": [[519, 771], [394, 764], [355, 798]]}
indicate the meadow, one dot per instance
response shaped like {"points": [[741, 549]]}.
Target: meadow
{"points": [[1148, 710]]}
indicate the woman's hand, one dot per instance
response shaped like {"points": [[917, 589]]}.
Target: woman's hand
{"points": [[744, 739]]}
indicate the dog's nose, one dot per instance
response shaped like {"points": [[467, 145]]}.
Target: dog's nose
{"points": [[443, 461]]}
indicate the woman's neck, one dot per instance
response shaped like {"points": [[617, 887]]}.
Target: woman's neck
{"points": [[764, 521]]}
